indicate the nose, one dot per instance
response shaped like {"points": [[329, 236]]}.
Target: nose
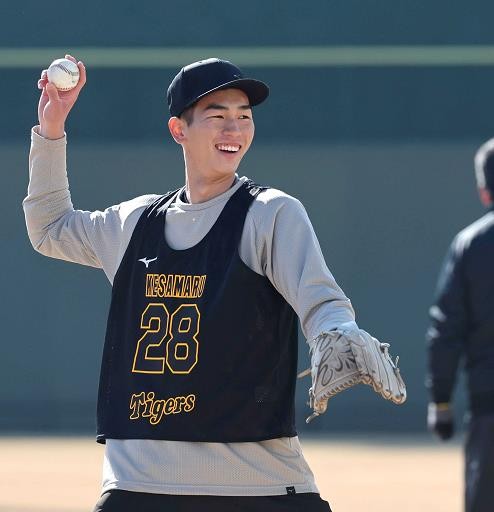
{"points": [[231, 126]]}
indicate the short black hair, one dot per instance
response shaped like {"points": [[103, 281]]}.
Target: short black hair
{"points": [[188, 114], [484, 166]]}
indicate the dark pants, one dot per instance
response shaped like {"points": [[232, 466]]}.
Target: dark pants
{"points": [[479, 465], [126, 501]]}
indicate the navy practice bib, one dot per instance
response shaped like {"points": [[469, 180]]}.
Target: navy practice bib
{"points": [[198, 346]]}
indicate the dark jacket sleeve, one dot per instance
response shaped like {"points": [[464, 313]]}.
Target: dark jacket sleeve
{"points": [[447, 332]]}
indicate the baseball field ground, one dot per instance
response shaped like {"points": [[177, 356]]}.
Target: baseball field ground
{"points": [[62, 474]]}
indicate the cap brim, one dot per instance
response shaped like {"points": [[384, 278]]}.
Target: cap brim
{"points": [[255, 90]]}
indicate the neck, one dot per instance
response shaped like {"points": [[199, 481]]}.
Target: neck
{"points": [[200, 189]]}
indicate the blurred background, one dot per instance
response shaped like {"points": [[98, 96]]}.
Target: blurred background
{"points": [[376, 110]]}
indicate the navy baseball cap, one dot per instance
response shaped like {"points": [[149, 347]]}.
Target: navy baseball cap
{"points": [[200, 78]]}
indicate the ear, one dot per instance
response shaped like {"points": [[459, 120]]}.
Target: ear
{"points": [[485, 197], [176, 127]]}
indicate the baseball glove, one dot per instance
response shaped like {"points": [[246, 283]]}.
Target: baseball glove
{"points": [[346, 357]]}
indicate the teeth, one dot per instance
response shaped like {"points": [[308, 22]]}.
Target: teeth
{"points": [[227, 147]]}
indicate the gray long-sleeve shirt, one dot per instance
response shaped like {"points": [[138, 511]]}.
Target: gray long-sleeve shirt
{"points": [[278, 241]]}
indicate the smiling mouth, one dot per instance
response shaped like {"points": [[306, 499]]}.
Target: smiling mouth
{"points": [[228, 148]]}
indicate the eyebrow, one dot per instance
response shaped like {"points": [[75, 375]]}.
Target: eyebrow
{"points": [[218, 106]]}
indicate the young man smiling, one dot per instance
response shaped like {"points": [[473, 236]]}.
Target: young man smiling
{"points": [[196, 399], [214, 135]]}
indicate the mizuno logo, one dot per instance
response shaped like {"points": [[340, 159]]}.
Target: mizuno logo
{"points": [[147, 262]]}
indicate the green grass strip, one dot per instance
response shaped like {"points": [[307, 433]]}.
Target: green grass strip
{"points": [[253, 56]]}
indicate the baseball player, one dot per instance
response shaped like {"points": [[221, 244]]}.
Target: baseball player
{"points": [[462, 329], [196, 396]]}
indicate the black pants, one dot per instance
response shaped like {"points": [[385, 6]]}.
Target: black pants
{"points": [[479, 465], [126, 501]]}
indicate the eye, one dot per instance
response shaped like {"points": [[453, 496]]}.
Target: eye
{"points": [[244, 117]]}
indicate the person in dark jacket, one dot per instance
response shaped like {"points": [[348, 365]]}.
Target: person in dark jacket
{"points": [[462, 331]]}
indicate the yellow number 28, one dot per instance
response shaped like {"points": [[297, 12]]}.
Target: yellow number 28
{"points": [[168, 340]]}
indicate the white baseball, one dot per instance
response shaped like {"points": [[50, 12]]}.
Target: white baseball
{"points": [[63, 74]]}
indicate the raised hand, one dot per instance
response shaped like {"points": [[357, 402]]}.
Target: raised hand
{"points": [[54, 105]]}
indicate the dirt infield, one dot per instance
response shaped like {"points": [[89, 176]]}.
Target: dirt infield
{"points": [[63, 474]]}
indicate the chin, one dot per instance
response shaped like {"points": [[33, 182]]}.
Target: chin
{"points": [[227, 170]]}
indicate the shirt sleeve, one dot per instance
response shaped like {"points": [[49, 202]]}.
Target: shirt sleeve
{"points": [[283, 246], [446, 334], [56, 229]]}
